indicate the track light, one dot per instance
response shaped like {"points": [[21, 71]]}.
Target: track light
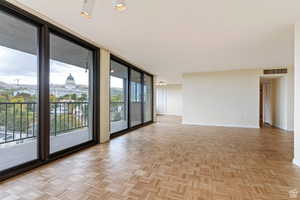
{"points": [[87, 8], [119, 5]]}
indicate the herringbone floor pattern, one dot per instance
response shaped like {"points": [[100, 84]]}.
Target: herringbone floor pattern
{"points": [[169, 161]]}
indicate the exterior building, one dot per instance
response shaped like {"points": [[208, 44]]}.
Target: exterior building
{"points": [[56, 90], [70, 87]]}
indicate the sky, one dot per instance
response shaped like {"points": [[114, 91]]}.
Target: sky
{"points": [[116, 82], [17, 66], [60, 71]]}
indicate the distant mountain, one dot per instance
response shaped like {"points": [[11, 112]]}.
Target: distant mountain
{"points": [[4, 85]]}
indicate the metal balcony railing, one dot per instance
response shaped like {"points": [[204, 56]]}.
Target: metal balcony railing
{"points": [[18, 121], [117, 111]]}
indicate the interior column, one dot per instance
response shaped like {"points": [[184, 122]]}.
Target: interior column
{"points": [[104, 95]]}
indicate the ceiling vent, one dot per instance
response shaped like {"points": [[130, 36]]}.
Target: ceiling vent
{"points": [[276, 71]]}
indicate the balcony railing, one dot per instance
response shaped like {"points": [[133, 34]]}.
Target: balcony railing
{"points": [[18, 121], [117, 111]]}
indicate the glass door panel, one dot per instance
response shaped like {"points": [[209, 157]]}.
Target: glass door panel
{"points": [[147, 98], [18, 91], [71, 109], [118, 97], [135, 98]]}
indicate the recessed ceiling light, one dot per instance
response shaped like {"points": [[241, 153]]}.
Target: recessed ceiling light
{"points": [[87, 8], [119, 5]]}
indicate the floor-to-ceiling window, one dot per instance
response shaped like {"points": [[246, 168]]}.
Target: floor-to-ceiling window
{"points": [[130, 95], [135, 98], [48, 98], [118, 97], [18, 91], [148, 92], [71, 69]]}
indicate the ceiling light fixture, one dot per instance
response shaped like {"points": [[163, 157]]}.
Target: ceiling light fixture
{"points": [[87, 8], [162, 83], [119, 5]]}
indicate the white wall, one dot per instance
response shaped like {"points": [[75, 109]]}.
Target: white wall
{"points": [[161, 100], [267, 102], [275, 101], [290, 98], [229, 98], [297, 97], [169, 100], [279, 93]]}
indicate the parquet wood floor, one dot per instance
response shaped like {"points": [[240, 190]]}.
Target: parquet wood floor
{"points": [[169, 161]]}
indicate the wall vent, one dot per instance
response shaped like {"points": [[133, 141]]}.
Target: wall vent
{"points": [[276, 71]]}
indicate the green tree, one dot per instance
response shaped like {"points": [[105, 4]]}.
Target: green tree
{"points": [[116, 98], [17, 99], [83, 97], [53, 98], [74, 97], [27, 97], [3, 99]]}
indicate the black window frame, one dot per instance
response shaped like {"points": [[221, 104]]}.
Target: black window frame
{"points": [[44, 29], [131, 67]]}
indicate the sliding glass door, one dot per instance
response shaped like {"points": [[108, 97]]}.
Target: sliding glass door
{"points": [[18, 91], [131, 103], [148, 98], [135, 98], [118, 97], [71, 68], [48, 95]]}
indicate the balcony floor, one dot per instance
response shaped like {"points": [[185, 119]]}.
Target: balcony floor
{"points": [[118, 126], [16, 153], [170, 161], [121, 125]]}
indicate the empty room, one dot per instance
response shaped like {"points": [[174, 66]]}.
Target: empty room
{"points": [[149, 100]]}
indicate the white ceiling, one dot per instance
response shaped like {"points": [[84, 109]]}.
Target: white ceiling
{"points": [[171, 37]]}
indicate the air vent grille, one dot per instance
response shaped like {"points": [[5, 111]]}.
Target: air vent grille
{"points": [[276, 71]]}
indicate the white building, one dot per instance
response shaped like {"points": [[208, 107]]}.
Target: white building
{"points": [[70, 87]]}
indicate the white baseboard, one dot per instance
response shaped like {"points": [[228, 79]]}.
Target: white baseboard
{"points": [[283, 128], [296, 162], [290, 130], [221, 125], [173, 114]]}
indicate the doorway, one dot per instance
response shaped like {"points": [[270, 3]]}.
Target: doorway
{"points": [[273, 105]]}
